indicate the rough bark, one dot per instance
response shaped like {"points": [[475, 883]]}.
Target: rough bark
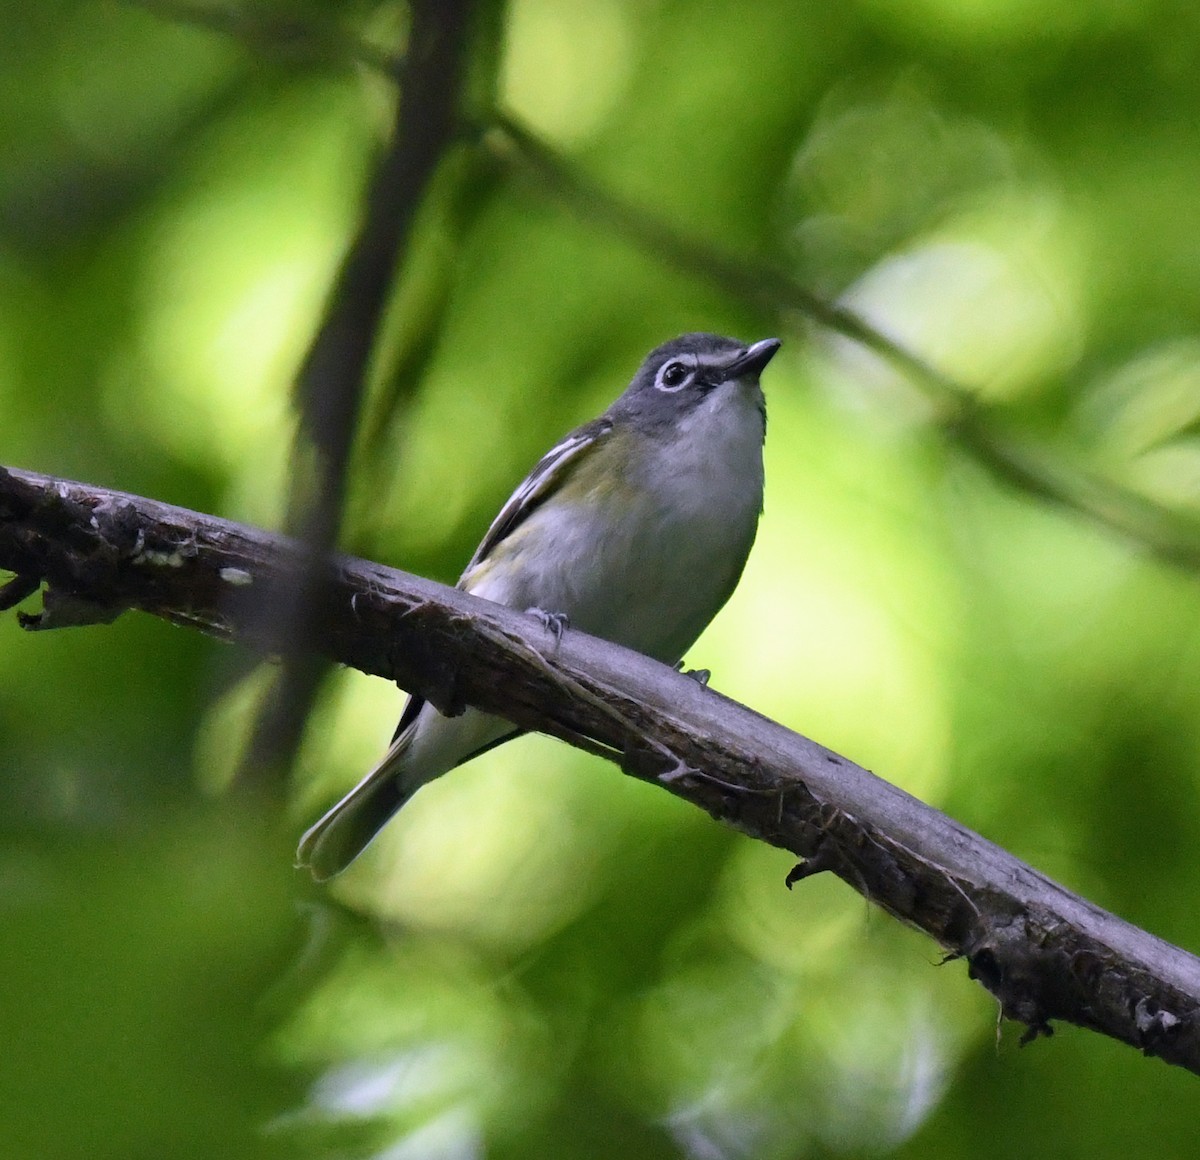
{"points": [[1044, 952]]}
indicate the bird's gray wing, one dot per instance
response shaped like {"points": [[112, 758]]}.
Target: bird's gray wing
{"points": [[543, 481]]}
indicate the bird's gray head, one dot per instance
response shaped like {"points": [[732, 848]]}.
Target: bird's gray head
{"points": [[682, 375]]}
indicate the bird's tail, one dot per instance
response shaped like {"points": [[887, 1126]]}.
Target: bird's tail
{"points": [[345, 831], [426, 746]]}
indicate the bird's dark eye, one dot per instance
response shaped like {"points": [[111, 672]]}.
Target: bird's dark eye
{"points": [[673, 375]]}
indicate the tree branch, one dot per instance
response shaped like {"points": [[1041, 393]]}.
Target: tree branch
{"points": [[1170, 534], [1044, 952], [332, 381]]}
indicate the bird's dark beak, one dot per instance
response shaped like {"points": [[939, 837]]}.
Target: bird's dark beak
{"points": [[752, 360]]}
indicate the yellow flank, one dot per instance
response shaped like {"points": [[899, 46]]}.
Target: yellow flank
{"points": [[585, 483]]}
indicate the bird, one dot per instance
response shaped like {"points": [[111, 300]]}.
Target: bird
{"points": [[635, 527]]}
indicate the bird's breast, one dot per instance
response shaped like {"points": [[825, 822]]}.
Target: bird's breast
{"points": [[643, 552]]}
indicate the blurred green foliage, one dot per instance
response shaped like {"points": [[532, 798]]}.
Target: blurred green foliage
{"points": [[541, 958]]}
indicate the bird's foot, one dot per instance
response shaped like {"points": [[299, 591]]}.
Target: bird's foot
{"points": [[555, 623], [700, 676]]}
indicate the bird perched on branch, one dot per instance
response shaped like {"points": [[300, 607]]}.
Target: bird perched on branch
{"points": [[635, 528]]}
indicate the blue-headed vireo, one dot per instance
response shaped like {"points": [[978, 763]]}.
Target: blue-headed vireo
{"points": [[635, 527]]}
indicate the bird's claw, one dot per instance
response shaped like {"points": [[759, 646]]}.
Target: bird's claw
{"points": [[555, 623], [700, 676]]}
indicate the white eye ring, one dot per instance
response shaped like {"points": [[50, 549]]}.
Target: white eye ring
{"points": [[674, 375]]}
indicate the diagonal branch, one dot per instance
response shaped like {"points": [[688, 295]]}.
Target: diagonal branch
{"points": [[1044, 952], [332, 381], [1170, 534]]}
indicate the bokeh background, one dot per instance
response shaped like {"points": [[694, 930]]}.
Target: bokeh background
{"points": [[542, 958]]}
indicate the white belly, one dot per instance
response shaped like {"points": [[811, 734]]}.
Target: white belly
{"points": [[649, 562]]}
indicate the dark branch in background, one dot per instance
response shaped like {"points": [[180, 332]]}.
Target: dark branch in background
{"points": [[755, 283], [1044, 952], [333, 378], [1169, 534]]}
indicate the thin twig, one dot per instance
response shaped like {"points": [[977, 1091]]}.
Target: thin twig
{"points": [[334, 375], [1169, 534]]}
